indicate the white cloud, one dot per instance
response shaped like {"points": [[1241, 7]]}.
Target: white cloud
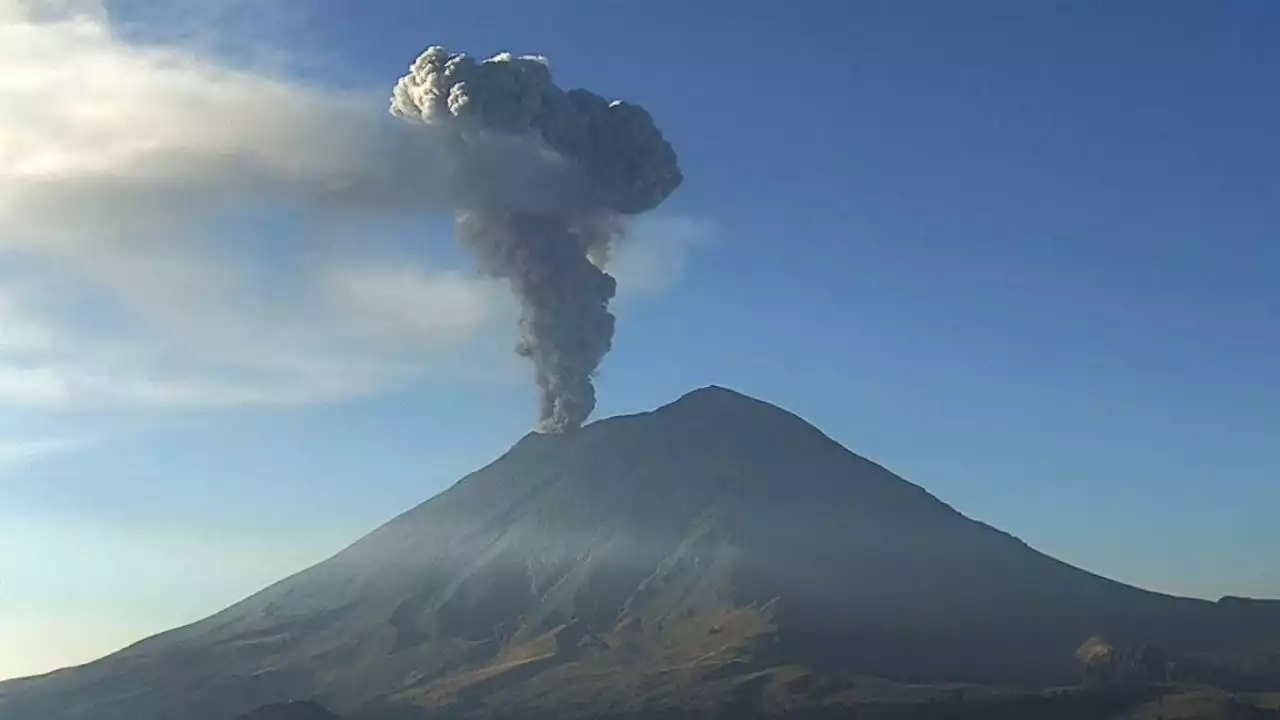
{"points": [[16, 453], [386, 303], [19, 333], [135, 186], [652, 256]]}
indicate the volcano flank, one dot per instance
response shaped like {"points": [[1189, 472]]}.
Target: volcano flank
{"points": [[718, 550]]}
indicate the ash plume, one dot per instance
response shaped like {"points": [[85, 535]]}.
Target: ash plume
{"points": [[543, 179]]}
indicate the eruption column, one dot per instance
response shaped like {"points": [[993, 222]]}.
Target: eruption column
{"points": [[543, 180]]}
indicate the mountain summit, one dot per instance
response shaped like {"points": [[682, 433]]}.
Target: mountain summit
{"points": [[718, 548]]}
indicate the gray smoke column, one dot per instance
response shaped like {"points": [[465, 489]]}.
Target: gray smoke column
{"points": [[543, 179]]}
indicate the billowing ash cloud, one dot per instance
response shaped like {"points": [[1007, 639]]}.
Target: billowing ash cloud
{"points": [[543, 178]]}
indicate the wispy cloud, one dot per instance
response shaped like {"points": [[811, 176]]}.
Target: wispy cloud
{"points": [[652, 258], [137, 186], [17, 453]]}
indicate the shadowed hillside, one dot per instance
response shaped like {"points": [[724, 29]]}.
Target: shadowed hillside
{"points": [[300, 710]]}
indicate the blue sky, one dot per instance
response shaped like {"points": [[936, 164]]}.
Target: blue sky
{"points": [[1023, 254]]}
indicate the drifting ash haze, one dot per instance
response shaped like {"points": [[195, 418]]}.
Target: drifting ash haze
{"points": [[542, 180]]}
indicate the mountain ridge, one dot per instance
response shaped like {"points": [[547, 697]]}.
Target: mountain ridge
{"points": [[717, 533]]}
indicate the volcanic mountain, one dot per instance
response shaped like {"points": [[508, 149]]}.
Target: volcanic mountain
{"points": [[716, 550]]}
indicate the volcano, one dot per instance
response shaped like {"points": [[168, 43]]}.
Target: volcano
{"points": [[715, 550]]}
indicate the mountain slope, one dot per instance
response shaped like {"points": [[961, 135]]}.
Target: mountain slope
{"points": [[716, 548]]}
